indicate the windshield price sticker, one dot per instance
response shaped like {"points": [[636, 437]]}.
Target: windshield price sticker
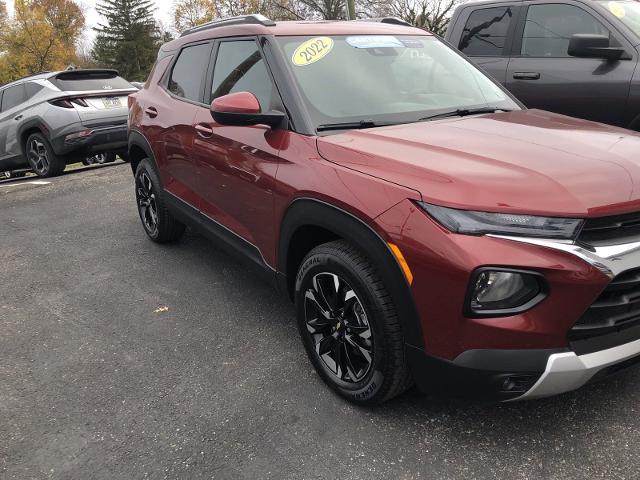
{"points": [[312, 50], [617, 9], [375, 41]]}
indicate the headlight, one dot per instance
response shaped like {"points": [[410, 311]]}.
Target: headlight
{"points": [[500, 292], [480, 223]]}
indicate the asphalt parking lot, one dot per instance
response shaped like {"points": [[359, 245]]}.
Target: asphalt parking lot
{"points": [[122, 359]]}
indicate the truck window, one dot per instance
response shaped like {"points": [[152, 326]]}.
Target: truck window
{"points": [[549, 29], [485, 33]]}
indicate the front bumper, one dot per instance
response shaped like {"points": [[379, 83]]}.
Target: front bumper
{"points": [[567, 371], [454, 348]]}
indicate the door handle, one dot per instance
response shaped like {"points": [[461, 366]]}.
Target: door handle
{"points": [[204, 131], [526, 76], [19, 117], [151, 111]]}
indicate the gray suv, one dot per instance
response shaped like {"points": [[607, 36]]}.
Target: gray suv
{"points": [[52, 119], [575, 57]]}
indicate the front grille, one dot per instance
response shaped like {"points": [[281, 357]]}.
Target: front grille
{"points": [[613, 319], [611, 230]]}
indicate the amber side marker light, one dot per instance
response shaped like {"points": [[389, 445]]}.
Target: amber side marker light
{"points": [[402, 262]]}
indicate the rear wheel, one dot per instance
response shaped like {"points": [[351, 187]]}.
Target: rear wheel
{"points": [[349, 325], [161, 226], [41, 157]]}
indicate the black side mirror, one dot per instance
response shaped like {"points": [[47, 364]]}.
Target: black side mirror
{"points": [[587, 45]]}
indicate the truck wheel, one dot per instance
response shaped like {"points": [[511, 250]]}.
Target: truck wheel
{"points": [[349, 325], [160, 225], [41, 157]]}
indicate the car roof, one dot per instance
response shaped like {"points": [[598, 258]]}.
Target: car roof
{"points": [[295, 28], [30, 78]]}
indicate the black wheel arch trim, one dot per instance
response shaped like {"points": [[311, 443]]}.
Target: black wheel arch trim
{"points": [[137, 139], [311, 212]]}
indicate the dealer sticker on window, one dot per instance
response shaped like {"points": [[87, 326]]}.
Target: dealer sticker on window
{"points": [[375, 41], [617, 9], [312, 50]]}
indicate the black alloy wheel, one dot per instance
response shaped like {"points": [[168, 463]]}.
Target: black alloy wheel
{"points": [[338, 325], [147, 205], [349, 324], [159, 223]]}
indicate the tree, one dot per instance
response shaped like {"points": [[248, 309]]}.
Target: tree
{"points": [[129, 39], [191, 13], [432, 15], [41, 36]]}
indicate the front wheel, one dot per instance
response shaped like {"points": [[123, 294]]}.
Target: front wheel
{"points": [[349, 325], [161, 226]]}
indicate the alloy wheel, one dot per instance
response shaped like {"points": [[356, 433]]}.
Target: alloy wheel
{"points": [[147, 202], [38, 156], [339, 328]]}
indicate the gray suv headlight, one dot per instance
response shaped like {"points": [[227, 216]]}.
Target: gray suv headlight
{"points": [[480, 223]]}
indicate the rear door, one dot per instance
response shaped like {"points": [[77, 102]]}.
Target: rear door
{"points": [[484, 35], [542, 74], [11, 113], [168, 120]]}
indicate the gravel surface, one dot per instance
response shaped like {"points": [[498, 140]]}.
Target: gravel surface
{"points": [[122, 359]]}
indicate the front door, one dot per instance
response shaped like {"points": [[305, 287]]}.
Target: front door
{"points": [[542, 74], [238, 165]]}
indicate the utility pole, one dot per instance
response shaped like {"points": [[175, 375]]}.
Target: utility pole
{"points": [[351, 9]]}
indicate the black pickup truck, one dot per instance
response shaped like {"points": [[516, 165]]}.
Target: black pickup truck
{"points": [[575, 57]]}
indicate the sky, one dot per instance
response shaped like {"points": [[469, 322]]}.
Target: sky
{"points": [[163, 13]]}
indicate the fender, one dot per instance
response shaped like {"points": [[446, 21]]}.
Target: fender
{"points": [[312, 212], [137, 139], [635, 124]]}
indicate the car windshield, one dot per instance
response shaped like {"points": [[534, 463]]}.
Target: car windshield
{"points": [[628, 11], [378, 79]]}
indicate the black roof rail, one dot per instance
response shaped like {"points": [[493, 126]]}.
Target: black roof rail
{"points": [[255, 19], [392, 20]]}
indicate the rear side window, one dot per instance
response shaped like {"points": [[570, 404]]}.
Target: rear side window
{"points": [[241, 68], [32, 89], [79, 81], [189, 71], [12, 97], [486, 30], [549, 29]]}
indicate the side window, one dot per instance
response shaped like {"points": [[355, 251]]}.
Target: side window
{"points": [[13, 96], [189, 71], [549, 29], [241, 68], [32, 89], [486, 30]]}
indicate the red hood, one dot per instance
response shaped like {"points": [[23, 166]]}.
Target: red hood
{"points": [[526, 162]]}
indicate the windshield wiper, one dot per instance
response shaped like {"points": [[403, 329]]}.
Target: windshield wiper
{"points": [[352, 125], [465, 112]]}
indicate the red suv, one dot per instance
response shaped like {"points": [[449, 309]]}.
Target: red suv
{"points": [[429, 228]]}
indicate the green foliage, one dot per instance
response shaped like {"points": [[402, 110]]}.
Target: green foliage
{"points": [[42, 35], [129, 38]]}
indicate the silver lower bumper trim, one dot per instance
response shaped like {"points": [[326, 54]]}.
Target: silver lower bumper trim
{"points": [[567, 371]]}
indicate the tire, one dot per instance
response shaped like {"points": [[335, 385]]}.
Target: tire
{"points": [[159, 224], [109, 157], [125, 157], [359, 326], [41, 157]]}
